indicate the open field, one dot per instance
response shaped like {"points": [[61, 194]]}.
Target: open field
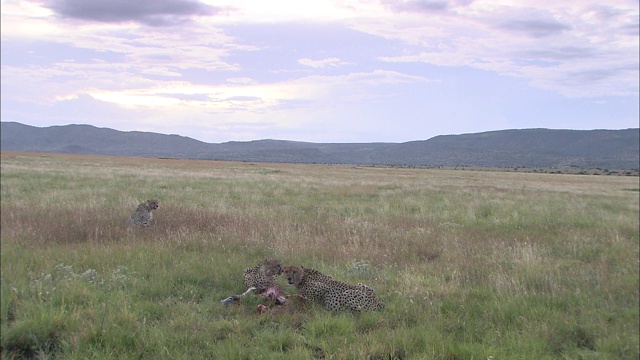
{"points": [[470, 264]]}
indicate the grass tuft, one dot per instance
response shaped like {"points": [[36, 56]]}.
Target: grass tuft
{"points": [[39, 337]]}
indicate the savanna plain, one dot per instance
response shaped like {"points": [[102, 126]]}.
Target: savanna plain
{"points": [[470, 264]]}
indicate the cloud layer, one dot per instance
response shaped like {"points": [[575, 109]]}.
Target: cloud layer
{"points": [[388, 70], [148, 12]]}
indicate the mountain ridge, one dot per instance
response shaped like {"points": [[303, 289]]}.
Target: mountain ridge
{"points": [[615, 149]]}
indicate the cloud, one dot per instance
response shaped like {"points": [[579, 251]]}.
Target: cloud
{"points": [[323, 63], [242, 98], [186, 97], [241, 80], [534, 27], [148, 12], [378, 77], [176, 96], [562, 53], [79, 109], [574, 50], [418, 5]]}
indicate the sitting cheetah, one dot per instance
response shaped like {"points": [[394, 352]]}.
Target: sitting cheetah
{"points": [[142, 216], [263, 276], [333, 294]]}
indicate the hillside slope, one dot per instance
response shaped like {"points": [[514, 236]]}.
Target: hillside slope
{"points": [[615, 149]]}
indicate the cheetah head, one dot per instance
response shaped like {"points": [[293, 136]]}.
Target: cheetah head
{"points": [[271, 267], [152, 204], [294, 274]]}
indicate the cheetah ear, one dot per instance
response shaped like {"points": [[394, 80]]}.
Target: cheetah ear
{"points": [[298, 275]]}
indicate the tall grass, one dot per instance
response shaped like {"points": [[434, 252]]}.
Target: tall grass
{"points": [[471, 264]]}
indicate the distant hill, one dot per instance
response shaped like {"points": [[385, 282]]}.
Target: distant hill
{"points": [[613, 149]]}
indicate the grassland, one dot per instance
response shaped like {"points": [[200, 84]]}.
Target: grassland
{"points": [[471, 264]]}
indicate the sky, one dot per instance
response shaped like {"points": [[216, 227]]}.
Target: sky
{"points": [[321, 71]]}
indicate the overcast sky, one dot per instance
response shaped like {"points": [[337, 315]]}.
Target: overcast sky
{"points": [[321, 71]]}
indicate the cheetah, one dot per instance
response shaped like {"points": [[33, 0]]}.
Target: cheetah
{"points": [[262, 276], [333, 294], [143, 216]]}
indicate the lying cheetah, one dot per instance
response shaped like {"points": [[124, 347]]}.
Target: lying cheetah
{"points": [[333, 294], [263, 275]]}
